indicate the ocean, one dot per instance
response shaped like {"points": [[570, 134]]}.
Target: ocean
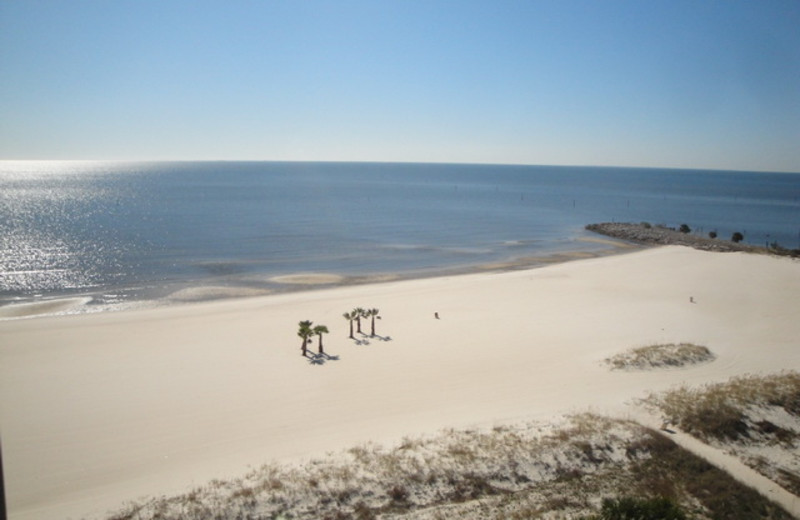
{"points": [[117, 234]]}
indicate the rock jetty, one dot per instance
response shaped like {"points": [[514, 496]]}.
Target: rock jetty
{"points": [[659, 235]]}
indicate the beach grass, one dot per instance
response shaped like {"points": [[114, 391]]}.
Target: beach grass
{"points": [[509, 471], [661, 356], [754, 417]]}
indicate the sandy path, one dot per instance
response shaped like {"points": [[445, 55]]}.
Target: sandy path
{"points": [[99, 409], [728, 463]]}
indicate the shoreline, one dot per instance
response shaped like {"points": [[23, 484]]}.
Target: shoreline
{"points": [[612, 237], [216, 290], [101, 409]]}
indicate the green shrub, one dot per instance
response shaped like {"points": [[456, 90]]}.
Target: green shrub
{"points": [[712, 234], [737, 237], [685, 228], [640, 509]]}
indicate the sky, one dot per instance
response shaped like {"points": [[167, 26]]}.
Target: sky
{"points": [[658, 83]]}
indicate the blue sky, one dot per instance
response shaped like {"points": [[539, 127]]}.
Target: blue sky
{"points": [[687, 84]]}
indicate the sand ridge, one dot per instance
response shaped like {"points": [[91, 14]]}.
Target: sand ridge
{"points": [[308, 278]]}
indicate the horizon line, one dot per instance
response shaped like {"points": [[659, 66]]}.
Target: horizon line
{"points": [[341, 161]]}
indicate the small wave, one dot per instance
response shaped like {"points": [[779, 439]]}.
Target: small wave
{"points": [[44, 308], [32, 271], [221, 268], [308, 278], [198, 294], [520, 243], [409, 247], [468, 250], [439, 249]]}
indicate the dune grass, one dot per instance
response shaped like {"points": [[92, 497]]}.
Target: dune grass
{"points": [[756, 418], [721, 410], [508, 472], [661, 356]]}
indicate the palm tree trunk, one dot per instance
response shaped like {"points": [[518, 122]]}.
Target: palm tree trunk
{"points": [[373, 326], [351, 330], [320, 344], [303, 348]]}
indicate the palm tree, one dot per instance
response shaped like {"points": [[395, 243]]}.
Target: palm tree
{"points": [[350, 316], [305, 332], [319, 330], [359, 313], [373, 313]]}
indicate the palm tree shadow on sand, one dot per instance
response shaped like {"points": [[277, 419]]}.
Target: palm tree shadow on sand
{"points": [[321, 359], [365, 339]]}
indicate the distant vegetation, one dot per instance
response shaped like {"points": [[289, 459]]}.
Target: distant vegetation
{"points": [[661, 234]]}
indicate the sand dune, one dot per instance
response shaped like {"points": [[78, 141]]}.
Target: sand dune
{"points": [[99, 409]]}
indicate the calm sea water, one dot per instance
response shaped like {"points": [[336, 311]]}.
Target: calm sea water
{"points": [[118, 232]]}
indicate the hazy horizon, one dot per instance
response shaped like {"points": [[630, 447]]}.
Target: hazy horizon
{"points": [[455, 163], [620, 84]]}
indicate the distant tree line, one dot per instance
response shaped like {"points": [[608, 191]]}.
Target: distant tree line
{"points": [[735, 237], [738, 236]]}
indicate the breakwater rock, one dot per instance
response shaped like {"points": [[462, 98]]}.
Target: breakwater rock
{"points": [[659, 235]]}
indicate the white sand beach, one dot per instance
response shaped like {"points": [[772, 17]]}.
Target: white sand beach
{"points": [[100, 409]]}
